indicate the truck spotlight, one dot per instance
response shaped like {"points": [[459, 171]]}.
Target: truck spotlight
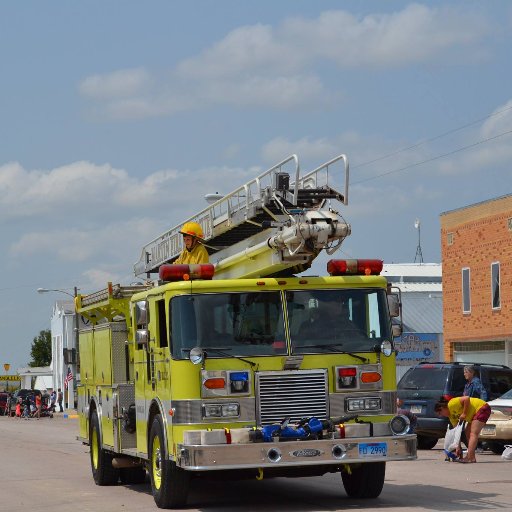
{"points": [[399, 425]]}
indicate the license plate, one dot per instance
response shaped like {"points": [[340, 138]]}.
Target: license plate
{"points": [[373, 449], [416, 409], [488, 430]]}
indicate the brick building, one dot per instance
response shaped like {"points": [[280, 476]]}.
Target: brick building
{"points": [[476, 254]]}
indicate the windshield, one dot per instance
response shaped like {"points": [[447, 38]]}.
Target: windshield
{"points": [[425, 379], [230, 324], [337, 320], [507, 395], [253, 323]]}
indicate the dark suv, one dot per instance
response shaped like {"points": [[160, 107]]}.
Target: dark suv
{"points": [[423, 385]]}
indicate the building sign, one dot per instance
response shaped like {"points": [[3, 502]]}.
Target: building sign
{"points": [[416, 347]]}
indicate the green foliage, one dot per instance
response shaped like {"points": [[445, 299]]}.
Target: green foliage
{"points": [[41, 351]]}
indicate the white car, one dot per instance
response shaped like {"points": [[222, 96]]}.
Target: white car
{"points": [[497, 432]]}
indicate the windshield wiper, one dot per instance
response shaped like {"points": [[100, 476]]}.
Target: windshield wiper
{"points": [[332, 348], [222, 351]]}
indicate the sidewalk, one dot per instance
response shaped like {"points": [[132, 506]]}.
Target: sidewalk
{"points": [[68, 413]]}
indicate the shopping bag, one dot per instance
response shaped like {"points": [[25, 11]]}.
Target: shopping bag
{"points": [[452, 437], [507, 453]]}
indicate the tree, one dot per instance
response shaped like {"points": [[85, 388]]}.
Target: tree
{"points": [[41, 351]]}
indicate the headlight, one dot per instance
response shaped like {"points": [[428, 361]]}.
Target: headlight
{"points": [[228, 410], [363, 404], [399, 425]]}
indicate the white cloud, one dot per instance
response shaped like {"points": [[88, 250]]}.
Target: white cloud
{"points": [[248, 49], [85, 190], [282, 92], [115, 241], [416, 34], [90, 216], [120, 83], [274, 66]]}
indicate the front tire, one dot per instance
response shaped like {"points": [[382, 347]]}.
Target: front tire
{"points": [[101, 461], [169, 483], [365, 481]]}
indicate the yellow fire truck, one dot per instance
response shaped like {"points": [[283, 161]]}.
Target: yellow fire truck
{"points": [[239, 367]]}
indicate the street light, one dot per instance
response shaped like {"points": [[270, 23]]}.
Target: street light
{"points": [[75, 321], [45, 290]]}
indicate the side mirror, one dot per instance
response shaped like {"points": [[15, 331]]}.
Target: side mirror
{"points": [[141, 336], [141, 316], [394, 305]]}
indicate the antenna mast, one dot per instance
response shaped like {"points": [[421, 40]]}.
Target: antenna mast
{"points": [[419, 254]]}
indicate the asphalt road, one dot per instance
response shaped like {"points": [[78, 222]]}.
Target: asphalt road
{"points": [[44, 469]]}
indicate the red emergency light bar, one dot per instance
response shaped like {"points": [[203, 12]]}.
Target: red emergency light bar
{"points": [[172, 273], [354, 267]]}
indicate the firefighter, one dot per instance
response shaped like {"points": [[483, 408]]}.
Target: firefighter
{"points": [[194, 252]]}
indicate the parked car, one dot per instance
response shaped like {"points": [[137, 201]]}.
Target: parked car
{"points": [[21, 393], [424, 384], [3, 402], [497, 432]]}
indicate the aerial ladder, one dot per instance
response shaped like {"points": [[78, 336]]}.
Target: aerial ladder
{"points": [[274, 225]]}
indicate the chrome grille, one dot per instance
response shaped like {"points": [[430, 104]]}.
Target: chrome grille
{"points": [[291, 394]]}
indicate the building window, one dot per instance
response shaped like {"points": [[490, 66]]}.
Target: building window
{"points": [[449, 238], [466, 291], [495, 285]]}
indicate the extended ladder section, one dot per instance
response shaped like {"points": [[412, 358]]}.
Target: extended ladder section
{"points": [[275, 224], [107, 303]]}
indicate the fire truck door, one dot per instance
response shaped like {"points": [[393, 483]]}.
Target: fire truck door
{"points": [[142, 372], [159, 349]]}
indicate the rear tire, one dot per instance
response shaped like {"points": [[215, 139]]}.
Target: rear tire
{"points": [[101, 461], [169, 483], [365, 481], [426, 442]]}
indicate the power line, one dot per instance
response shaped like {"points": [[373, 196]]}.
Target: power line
{"points": [[436, 137], [458, 150]]}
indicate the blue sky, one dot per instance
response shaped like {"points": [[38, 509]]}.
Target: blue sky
{"points": [[117, 117]]}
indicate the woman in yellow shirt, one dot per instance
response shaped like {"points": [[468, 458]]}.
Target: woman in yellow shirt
{"points": [[474, 411]]}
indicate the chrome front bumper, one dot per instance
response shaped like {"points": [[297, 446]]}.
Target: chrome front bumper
{"points": [[292, 453]]}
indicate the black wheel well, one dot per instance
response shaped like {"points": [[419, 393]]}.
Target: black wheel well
{"points": [[92, 409], [154, 411]]}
